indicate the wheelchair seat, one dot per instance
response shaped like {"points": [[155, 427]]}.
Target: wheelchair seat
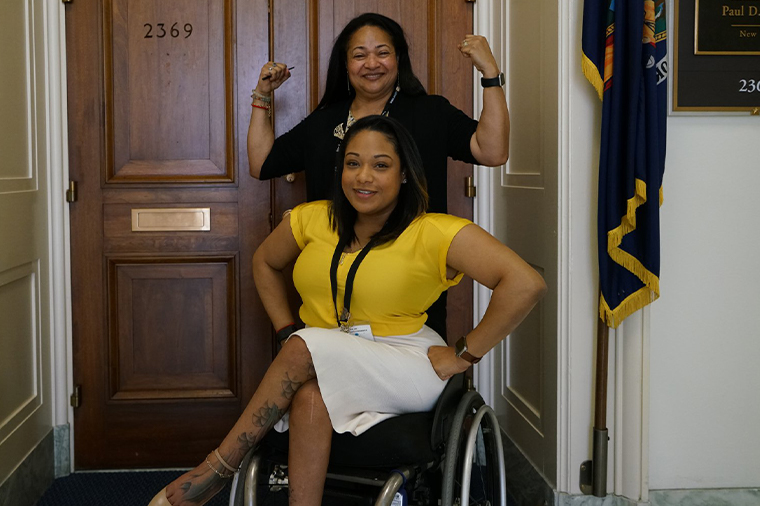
{"points": [[410, 434], [404, 451]]}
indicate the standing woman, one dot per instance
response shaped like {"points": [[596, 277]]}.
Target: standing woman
{"points": [[370, 72]]}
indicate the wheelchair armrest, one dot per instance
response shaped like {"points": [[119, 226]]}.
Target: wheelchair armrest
{"points": [[445, 408]]}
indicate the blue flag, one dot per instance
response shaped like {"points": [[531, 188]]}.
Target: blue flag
{"points": [[625, 58]]}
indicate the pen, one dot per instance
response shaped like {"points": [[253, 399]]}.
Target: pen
{"points": [[267, 77]]}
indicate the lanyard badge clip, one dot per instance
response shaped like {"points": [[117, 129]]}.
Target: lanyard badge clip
{"points": [[345, 316]]}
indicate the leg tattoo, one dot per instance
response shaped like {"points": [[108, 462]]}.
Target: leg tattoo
{"points": [[267, 416], [289, 387]]}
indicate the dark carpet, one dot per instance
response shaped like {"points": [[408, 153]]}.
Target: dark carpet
{"points": [[114, 489], [135, 488]]}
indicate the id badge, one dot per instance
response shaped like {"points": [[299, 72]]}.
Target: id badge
{"points": [[361, 329]]}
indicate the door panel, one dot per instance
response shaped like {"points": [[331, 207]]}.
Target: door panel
{"points": [[526, 202], [170, 339], [172, 328], [168, 76], [28, 131]]}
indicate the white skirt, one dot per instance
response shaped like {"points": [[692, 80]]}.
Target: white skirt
{"points": [[364, 382]]}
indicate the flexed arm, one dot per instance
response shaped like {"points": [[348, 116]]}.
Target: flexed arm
{"points": [[490, 142], [275, 253], [260, 133], [517, 287]]}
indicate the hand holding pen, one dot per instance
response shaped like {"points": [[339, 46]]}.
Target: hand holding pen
{"points": [[272, 75]]}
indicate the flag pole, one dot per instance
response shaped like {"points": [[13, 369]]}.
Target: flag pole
{"points": [[599, 483]]}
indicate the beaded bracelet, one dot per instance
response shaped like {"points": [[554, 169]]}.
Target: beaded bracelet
{"points": [[264, 98]]}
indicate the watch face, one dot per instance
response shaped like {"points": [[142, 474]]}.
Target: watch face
{"points": [[460, 346]]}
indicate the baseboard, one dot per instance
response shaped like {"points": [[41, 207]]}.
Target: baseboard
{"points": [[62, 441], [529, 488], [711, 497], [32, 477], [562, 499], [524, 483]]}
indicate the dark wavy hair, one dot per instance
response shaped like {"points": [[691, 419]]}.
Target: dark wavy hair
{"points": [[336, 86], [412, 198]]}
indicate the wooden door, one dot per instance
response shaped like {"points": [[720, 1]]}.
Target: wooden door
{"points": [[170, 339]]}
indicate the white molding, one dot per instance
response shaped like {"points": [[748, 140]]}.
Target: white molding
{"points": [[483, 21], [59, 238], [645, 376], [630, 426], [565, 468]]}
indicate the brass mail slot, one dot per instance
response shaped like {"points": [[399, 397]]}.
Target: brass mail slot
{"points": [[195, 219]]}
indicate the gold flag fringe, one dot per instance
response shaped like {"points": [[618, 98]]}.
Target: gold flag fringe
{"points": [[592, 74], [648, 293], [634, 302]]}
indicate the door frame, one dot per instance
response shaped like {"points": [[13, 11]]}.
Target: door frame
{"points": [[485, 24], [60, 240]]}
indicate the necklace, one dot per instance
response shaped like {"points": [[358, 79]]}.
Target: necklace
{"points": [[344, 254], [341, 130]]}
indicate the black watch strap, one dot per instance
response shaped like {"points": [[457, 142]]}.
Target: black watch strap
{"points": [[285, 332], [487, 82]]}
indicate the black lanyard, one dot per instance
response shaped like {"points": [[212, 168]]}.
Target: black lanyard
{"points": [[345, 315]]}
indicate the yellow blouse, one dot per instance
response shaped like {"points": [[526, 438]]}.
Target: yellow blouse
{"points": [[395, 283]]}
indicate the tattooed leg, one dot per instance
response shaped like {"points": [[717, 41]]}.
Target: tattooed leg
{"points": [[289, 371]]}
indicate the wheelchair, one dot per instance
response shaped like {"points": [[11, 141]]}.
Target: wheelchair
{"points": [[452, 455]]}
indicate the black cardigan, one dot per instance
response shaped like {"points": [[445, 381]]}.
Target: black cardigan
{"points": [[439, 129]]}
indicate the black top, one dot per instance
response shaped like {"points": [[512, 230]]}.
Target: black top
{"points": [[439, 129]]}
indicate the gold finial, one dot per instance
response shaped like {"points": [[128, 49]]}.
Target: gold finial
{"points": [[755, 111]]}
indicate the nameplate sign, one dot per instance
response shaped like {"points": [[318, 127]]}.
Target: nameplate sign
{"points": [[716, 60], [727, 27]]}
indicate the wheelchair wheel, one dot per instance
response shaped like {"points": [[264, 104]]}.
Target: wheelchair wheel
{"points": [[482, 475]]}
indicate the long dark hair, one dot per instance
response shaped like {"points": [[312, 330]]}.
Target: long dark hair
{"points": [[336, 86], [412, 198]]}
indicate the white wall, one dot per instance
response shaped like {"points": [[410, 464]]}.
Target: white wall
{"points": [[705, 346], [704, 349]]}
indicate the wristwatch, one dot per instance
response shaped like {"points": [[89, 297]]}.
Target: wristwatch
{"points": [[493, 81], [460, 348]]}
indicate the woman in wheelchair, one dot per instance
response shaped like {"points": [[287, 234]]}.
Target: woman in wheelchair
{"points": [[368, 264]]}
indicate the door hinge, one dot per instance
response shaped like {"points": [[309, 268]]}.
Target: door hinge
{"points": [[67, 1], [469, 187], [465, 1], [71, 193], [76, 398]]}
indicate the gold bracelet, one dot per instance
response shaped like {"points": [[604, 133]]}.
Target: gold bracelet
{"points": [[223, 476]]}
